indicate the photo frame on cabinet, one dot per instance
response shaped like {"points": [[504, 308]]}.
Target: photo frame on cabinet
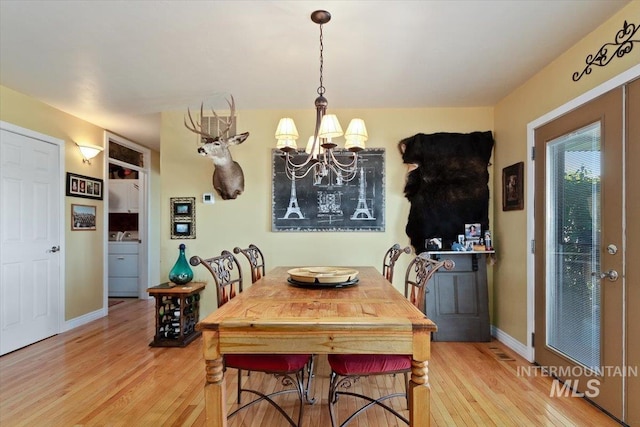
{"points": [[183, 217], [84, 186], [83, 218], [472, 231], [513, 187]]}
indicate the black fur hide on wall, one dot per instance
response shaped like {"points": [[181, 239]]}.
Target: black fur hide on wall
{"points": [[448, 189]]}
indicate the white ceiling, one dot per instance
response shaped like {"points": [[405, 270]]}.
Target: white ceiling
{"points": [[118, 64]]}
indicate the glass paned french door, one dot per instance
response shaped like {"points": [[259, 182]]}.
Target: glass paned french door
{"points": [[573, 236], [579, 249]]}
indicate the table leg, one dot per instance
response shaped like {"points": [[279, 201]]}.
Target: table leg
{"points": [[419, 394], [215, 387], [214, 393]]}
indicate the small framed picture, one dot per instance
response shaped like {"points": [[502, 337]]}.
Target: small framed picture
{"points": [[182, 208], [434, 244], [183, 217], [84, 186], [182, 229], [83, 218], [472, 231], [512, 187]]}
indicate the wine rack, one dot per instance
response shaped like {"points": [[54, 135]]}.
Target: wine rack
{"points": [[177, 313]]}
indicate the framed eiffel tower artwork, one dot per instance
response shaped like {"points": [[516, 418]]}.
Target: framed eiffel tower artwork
{"points": [[328, 201]]}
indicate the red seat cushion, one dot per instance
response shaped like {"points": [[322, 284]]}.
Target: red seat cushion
{"points": [[267, 362], [363, 364]]}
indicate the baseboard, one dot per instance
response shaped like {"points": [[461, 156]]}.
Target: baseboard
{"points": [[84, 319], [512, 343]]}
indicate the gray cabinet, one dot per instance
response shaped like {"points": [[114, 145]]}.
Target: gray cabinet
{"points": [[123, 269], [457, 300]]}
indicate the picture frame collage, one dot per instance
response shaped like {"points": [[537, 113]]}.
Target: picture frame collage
{"points": [[183, 217], [84, 186]]}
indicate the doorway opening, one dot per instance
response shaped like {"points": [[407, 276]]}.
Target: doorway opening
{"points": [[126, 213]]}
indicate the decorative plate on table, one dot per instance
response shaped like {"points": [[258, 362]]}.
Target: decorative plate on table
{"points": [[323, 276]]}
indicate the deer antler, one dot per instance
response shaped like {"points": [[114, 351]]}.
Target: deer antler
{"points": [[196, 126], [232, 117]]}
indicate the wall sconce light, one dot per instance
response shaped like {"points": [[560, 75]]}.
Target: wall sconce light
{"points": [[89, 151]]}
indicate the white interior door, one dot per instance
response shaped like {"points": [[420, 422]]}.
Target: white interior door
{"points": [[30, 240]]}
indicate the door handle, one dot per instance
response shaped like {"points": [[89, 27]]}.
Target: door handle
{"points": [[612, 275], [54, 249]]}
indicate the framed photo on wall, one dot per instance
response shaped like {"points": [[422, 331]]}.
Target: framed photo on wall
{"points": [[513, 187], [84, 186], [183, 217], [83, 218]]}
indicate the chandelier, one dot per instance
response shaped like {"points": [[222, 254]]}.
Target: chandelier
{"points": [[322, 158]]}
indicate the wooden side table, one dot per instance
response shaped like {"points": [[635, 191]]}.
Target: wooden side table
{"points": [[177, 311]]}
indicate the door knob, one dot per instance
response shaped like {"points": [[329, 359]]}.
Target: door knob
{"points": [[54, 249], [612, 275]]}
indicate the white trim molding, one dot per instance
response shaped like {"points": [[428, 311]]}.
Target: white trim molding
{"points": [[84, 319], [515, 345]]}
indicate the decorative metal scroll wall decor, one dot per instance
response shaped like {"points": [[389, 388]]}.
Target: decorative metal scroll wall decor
{"points": [[328, 203], [624, 42], [183, 217]]}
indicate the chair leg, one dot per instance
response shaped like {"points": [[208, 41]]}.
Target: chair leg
{"points": [[336, 381], [333, 397], [239, 385], [296, 380], [406, 387], [310, 374]]}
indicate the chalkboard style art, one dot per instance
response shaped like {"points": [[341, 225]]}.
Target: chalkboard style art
{"points": [[330, 204]]}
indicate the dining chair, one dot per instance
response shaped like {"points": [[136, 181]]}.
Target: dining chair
{"points": [[257, 265], [390, 258], [256, 260], [290, 368], [346, 369]]}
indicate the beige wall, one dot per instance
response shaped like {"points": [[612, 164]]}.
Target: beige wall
{"points": [[547, 90], [247, 219], [84, 249]]}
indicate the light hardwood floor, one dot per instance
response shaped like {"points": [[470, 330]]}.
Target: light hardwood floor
{"points": [[105, 374]]}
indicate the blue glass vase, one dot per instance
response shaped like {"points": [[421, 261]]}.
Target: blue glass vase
{"points": [[181, 273]]}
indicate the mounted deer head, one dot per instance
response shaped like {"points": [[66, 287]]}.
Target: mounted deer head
{"points": [[228, 178]]}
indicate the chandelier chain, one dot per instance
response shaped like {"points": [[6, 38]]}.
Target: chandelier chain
{"points": [[321, 88]]}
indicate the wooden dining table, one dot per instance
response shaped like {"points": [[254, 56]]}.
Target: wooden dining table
{"points": [[273, 316]]}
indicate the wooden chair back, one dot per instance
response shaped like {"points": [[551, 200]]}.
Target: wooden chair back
{"points": [[419, 272], [390, 258], [256, 261], [226, 273]]}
